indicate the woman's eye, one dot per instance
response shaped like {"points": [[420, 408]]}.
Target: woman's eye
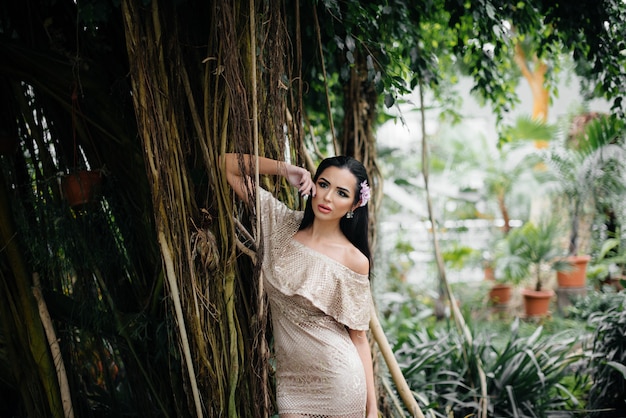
{"points": [[342, 193], [322, 184]]}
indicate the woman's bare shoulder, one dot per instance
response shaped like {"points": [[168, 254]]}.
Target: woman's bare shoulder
{"points": [[358, 262]]}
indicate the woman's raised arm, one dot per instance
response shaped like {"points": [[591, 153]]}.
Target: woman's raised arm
{"points": [[241, 181]]}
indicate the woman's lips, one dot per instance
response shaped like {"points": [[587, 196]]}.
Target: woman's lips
{"points": [[323, 208]]}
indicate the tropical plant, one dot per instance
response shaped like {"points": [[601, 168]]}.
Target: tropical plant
{"points": [[607, 363], [525, 374], [609, 262], [588, 169], [592, 303], [508, 264], [530, 250]]}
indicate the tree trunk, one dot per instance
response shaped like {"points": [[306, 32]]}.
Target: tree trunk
{"points": [[216, 109]]}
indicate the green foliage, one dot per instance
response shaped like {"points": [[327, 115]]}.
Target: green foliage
{"points": [[404, 44], [458, 256], [527, 129], [530, 368], [590, 169], [598, 54], [583, 308], [404, 309], [524, 375], [607, 364], [609, 260], [527, 373]]}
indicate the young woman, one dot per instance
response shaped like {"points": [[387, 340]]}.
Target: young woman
{"points": [[315, 268]]}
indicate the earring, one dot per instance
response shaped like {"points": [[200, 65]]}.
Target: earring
{"points": [[350, 215]]}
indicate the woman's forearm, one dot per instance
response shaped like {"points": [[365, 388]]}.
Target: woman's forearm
{"points": [[266, 165], [239, 176]]}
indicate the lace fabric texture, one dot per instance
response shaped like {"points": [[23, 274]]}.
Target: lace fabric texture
{"points": [[313, 299]]}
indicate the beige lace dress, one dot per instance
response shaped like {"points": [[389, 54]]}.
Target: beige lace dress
{"points": [[313, 301]]}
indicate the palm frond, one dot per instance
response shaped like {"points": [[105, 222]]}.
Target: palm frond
{"points": [[526, 128], [591, 168]]}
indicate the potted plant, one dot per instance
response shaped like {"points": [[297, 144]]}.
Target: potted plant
{"points": [[506, 269], [532, 250], [500, 293], [507, 171], [506, 274], [588, 168]]}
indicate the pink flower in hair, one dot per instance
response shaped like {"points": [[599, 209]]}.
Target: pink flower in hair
{"points": [[365, 193]]}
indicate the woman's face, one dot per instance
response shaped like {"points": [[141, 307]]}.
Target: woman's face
{"points": [[335, 193]]}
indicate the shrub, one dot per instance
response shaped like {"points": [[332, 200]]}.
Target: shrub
{"points": [[593, 303], [607, 365], [523, 376]]}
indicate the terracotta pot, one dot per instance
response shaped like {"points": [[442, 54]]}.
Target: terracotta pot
{"points": [[489, 273], [500, 294], [537, 303], [81, 187], [577, 277]]}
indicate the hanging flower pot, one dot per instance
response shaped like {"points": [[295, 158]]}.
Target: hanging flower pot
{"points": [[577, 276], [537, 303], [81, 187]]}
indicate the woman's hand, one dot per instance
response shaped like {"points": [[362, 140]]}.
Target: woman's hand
{"points": [[300, 178]]}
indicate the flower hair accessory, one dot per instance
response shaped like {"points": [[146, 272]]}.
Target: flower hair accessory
{"points": [[365, 193]]}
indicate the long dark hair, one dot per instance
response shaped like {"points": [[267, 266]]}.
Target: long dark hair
{"points": [[356, 228]]}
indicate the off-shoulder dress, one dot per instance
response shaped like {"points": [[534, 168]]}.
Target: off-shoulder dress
{"points": [[313, 301]]}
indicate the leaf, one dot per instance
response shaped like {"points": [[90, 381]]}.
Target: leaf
{"points": [[617, 366], [339, 42], [350, 57], [389, 100], [350, 44]]}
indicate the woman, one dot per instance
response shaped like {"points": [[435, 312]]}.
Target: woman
{"points": [[316, 274]]}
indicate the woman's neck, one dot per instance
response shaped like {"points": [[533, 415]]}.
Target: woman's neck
{"points": [[320, 230]]}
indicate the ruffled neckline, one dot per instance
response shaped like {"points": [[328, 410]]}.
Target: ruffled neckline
{"points": [[326, 258]]}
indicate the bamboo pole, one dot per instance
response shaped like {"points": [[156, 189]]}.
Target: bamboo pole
{"points": [[459, 320], [55, 349], [392, 364]]}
